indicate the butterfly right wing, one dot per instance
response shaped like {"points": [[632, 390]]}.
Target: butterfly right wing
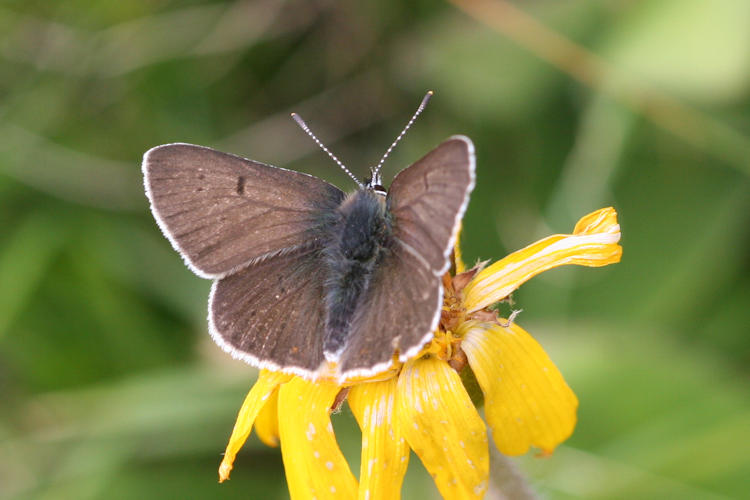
{"points": [[222, 212], [429, 198], [271, 314], [402, 305]]}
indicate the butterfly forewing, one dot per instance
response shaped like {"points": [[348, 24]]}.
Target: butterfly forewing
{"points": [[272, 314], [428, 199], [402, 305], [222, 212]]}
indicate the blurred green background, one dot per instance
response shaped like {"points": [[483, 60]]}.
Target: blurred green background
{"points": [[110, 386]]}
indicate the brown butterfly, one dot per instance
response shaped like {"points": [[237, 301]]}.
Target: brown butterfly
{"points": [[304, 273]]}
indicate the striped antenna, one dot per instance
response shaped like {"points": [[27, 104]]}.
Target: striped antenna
{"points": [[425, 100], [307, 130]]}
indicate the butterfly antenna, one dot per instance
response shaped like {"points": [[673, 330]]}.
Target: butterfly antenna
{"points": [[307, 130], [425, 100]]}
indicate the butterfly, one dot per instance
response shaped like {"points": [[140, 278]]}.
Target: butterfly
{"points": [[307, 277]]}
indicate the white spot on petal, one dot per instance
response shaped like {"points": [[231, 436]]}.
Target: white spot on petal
{"points": [[478, 489], [329, 465]]}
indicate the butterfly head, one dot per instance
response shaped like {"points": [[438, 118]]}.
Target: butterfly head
{"points": [[375, 183]]}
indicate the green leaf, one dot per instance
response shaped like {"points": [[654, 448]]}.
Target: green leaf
{"points": [[25, 255]]}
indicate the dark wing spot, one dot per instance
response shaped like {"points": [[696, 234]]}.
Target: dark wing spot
{"points": [[240, 185], [201, 177]]}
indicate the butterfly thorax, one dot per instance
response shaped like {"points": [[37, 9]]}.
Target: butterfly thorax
{"points": [[358, 241]]}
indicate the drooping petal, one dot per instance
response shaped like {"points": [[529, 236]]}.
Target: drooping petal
{"points": [[257, 398], [593, 243], [385, 453], [457, 255], [313, 462], [443, 428], [526, 401], [267, 421]]}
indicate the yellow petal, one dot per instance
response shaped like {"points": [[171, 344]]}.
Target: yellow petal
{"points": [[526, 401], [314, 464], [267, 421], [457, 256], [593, 243], [385, 453], [257, 397], [442, 426]]}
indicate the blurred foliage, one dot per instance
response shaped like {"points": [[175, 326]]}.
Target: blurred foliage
{"points": [[110, 386]]}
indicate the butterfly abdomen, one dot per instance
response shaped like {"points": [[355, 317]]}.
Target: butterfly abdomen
{"points": [[350, 258]]}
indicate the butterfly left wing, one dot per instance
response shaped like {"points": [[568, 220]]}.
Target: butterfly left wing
{"points": [[222, 212], [271, 314], [402, 304]]}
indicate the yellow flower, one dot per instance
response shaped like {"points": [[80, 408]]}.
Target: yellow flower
{"points": [[423, 404]]}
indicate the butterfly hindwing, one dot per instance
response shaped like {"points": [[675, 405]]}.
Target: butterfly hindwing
{"points": [[271, 313], [222, 212], [397, 313], [401, 307]]}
